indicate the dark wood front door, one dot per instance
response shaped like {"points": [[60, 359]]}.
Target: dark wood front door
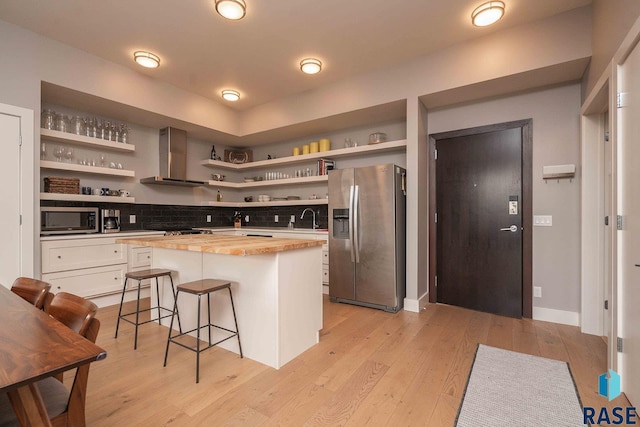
{"points": [[479, 228]]}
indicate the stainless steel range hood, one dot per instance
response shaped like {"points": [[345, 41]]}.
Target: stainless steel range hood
{"points": [[173, 160]]}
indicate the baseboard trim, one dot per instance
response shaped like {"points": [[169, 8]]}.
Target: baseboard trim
{"points": [[415, 305], [556, 316]]}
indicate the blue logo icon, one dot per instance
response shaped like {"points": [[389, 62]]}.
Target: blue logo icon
{"points": [[609, 384]]}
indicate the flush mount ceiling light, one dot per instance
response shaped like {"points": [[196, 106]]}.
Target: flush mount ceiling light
{"points": [[231, 9], [231, 95], [146, 59], [310, 66], [487, 13]]}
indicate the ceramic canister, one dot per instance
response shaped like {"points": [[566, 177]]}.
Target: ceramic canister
{"points": [[313, 147], [296, 151], [325, 144], [305, 149]]}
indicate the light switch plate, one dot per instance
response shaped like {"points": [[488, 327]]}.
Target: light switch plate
{"points": [[542, 220], [208, 218], [132, 219], [537, 292], [275, 218]]}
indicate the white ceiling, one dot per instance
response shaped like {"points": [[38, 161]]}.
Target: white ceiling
{"points": [[203, 53]]}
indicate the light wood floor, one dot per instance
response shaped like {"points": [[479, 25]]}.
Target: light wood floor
{"points": [[370, 368]]}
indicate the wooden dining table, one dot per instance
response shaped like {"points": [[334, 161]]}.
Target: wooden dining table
{"points": [[33, 346]]}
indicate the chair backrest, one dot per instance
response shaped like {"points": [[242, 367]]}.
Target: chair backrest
{"points": [[64, 406], [31, 290], [74, 311]]}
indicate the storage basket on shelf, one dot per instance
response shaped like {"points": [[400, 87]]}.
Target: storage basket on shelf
{"points": [[56, 184]]}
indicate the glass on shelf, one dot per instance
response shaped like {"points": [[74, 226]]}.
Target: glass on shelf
{"points": [[48, 119], [62, 123], [69, 155], [43, 151], [78, 125]]}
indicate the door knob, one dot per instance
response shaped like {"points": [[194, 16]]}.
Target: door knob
{"points": [[512, 229]]}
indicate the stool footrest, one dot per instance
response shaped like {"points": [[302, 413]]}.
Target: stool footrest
{"points": [[195, 350], [123, 316]]}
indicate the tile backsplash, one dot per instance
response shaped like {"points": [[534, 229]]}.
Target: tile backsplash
{"points": [[160, 217]]}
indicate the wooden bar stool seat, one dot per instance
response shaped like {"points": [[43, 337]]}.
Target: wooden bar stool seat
{"points": [[200, 288], [140, 276]]}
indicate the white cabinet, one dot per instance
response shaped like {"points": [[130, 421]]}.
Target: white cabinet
{"points": [[60, 255], [91, 266], [85, 267], [88, 282], [139, 259]]}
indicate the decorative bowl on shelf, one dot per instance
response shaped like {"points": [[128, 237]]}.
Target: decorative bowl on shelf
{"points": [[248, 199], [217, 177]]}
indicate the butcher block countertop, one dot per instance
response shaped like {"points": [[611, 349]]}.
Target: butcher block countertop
{"points": [[222, 244]]}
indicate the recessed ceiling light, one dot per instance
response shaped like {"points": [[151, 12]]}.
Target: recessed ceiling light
{"points": [[146, 59], [231, 9], [310, 66], [231, 95], [487, 13]]}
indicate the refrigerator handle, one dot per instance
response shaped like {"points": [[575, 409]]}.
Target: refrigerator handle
{"points": [[351, 224], [356, 224]]}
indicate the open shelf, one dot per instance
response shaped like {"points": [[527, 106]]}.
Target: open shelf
{"points": [[48, 164], [271, 203], [86, 198], [70, 138], [270, 183], [332, 154]]}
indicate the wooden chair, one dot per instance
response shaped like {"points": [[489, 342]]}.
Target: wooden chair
{"points": [[65, 407], [31, 290]]}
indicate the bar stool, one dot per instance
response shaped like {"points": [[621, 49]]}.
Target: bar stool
{"points": [[140, 276], [199, 288]]}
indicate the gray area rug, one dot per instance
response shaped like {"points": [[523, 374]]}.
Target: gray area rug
{"points": [[506, 388]]}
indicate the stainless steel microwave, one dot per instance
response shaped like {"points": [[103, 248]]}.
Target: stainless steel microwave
{"points": [[68, 220]]}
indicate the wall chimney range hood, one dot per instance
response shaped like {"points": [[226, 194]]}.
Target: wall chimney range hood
{"points": [[173, 160]]}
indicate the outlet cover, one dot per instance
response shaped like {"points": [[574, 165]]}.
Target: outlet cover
{"points": [[293, 218], [275, 218], [246, 218], [132, 219], [537, 291], [208, 218]]}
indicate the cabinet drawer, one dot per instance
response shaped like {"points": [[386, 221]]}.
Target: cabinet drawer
{"points": [[87, 253], [325, 257], [88, 282], [325, 275], [139, 256]]}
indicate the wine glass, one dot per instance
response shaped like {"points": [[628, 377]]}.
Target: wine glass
{"points": [[103, 160], [43, 151], [69, 155], [57, 153]]}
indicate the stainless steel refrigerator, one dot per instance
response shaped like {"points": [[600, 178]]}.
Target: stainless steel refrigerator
{"points": [[367, 236]]}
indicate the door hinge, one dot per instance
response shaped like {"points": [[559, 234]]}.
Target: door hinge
{"points": [[20, 219], [606, 220], [619, 222], [622, 99], [606, 304], [606, 136], [435, 154], [436, 217], [620, 345], [20, 140]]}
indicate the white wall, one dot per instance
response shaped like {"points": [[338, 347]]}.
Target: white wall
{"points": [[556, 132]]}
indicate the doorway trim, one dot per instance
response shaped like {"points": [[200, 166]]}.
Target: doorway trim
{"points": [[527, 208]]}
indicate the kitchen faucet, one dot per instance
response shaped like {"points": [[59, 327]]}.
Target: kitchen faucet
{"points": [[314, 216]]}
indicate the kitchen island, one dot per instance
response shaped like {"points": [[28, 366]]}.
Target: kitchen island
{"points": [[276, 288]]}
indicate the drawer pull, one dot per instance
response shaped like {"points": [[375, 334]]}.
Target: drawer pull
{"points": [[59, 256], [115, 252], [59, 288], [115, 278]]}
